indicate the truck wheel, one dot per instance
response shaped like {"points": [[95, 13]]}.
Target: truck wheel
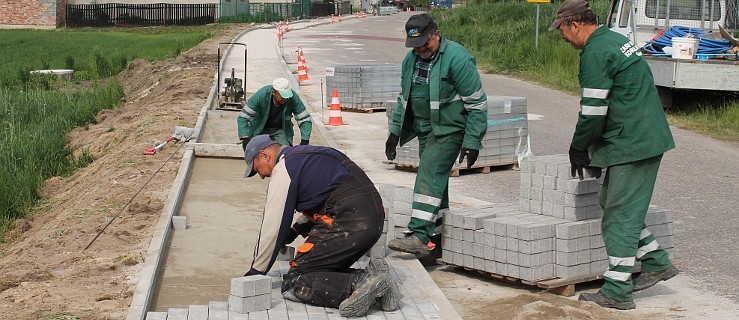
{"points": [[665, 96]]}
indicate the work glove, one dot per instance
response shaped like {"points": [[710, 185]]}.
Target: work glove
{"points": [[578, 161], [471, 156], [303, 142], [390, 145], [244, 142]]}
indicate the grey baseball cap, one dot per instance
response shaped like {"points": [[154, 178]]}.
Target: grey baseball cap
{"points": [[567, 9], [255, 145]]}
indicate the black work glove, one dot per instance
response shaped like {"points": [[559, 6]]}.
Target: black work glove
{"points": [[244, 142], [303, 142], [471, 156], [390, 145], [578, 161]]}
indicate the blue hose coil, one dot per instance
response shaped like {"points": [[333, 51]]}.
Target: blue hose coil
{"points": [[706, 45]]}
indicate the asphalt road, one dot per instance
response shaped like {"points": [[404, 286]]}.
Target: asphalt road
{"points": [[698, 181]]}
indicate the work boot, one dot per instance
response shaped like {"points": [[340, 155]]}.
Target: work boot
{"points": [[290, 295], [368, 289], [600, 299], [648, 279], [377, 266], [391, 299], [411, 244]]}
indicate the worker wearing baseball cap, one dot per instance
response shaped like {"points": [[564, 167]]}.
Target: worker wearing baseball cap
{"points": [[443, 104], [342, 217], [623, 124], [269, 111]]}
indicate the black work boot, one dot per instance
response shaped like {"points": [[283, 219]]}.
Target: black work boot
{"points": [[368, 288], [600, 299], [410, 244], [648, 279]]}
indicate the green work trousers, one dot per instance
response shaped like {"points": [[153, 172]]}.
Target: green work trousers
{"points": [[625, 196], [277, 135]]}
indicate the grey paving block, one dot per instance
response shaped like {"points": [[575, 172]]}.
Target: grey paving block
{"points": [[553, 196], [512, 257], [500, 242], [526, 166], [477, 250], [536, 259], [240, 316], [478, 263], [572, 230], [537, 181], [597, 254], [573, 245], [468, 235], [524, 204], [251, 286], [479, 236], [257, 315], [537, 193], [535, 206], [475, 221], [156, 315], [490, 266], [457, 233], [404, 194], [553, 210], [287, 253], [598, 267], [241, 304], [583, 213], [579, 187], [549, 182], [536, 231], [500, 255], [525, 179], [511, 244], [179, 222], [525, 192], [197, 312], [540, 272], [262, 302], [513, 271], [218, 314], [468, 261], [488, 252], [177, 313], [571, 272], [580, 200]]}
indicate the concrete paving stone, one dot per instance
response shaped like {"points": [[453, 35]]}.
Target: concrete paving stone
{"points": [[490, 266], [526, 166], [456, 245], [567, 258], [537, 193], [580, 200], [372, 314], [151, 315], [468, 235], [535, 231], [466, 247], [317, 316], [257, 315], [563, 171], [489, 239], [262, 301], [476, 221], [598, 267], [458, 259], [429, 310], [552, 210], [666, 242], [553, 196], [177, 313], [511, 244], [525, 192], [551, 169], [241, 304], [179, 222], [512, 257], [535, 273], [526, 179], [500, 242], [238, 316], [535, 206], [400, 220], [572, 230], [596, 242], [536, 246], [660, 230], [447, 256], [524, 204], [197, 312], [217, 314], [478, 263], [583, 257], [500, 255], [468, 261], [573, 245], [218, 305], [540, 166], [401, 207], [598, 254], [595, 227], [457, 233], [513, 270], [549, 183], [537, 182], [394, 315], [536, 259], [251, 286], [579, 187], [568, 272], [477, 250], [583, 213], [488, 253], [479, 236]]}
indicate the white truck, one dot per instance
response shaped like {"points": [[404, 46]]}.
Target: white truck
{"points": [[642, 20]]}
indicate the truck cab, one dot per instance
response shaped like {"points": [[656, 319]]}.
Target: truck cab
{"points": [[642, 20]]}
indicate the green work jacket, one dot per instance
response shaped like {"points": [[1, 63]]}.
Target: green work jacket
{"points": [[621, 115], [253, 116], [457, 100]]}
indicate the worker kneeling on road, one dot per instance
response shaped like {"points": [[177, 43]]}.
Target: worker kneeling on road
{"points": [[269, 110], [342, 218]]}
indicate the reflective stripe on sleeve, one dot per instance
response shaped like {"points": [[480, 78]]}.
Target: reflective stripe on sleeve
{"points": [[594, 111], [595, 93]]}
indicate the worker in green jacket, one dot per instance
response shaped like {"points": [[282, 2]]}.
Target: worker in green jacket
{"points": [[443, 104], [269, 111], [622, 121]]}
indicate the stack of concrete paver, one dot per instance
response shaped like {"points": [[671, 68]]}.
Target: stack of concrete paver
{"points": [[398, 202], [249, 294], [554, 231], [506, 136], [364, 86]]}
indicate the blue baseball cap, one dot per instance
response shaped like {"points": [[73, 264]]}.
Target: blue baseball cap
{"points": [[255, 145]]}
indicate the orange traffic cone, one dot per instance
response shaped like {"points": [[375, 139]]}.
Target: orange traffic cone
{"points": [[279, 30], [301, 58], [332, 19], [364, 15], [408, 9], [287, 25], [356, 15], [302, 72], [334, 114], [339, 17]]}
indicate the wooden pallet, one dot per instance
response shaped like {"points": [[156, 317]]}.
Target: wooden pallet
{"points": [[364, 110], [476, 169], [559, 286]]}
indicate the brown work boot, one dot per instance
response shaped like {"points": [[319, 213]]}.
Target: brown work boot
{"points": [[648, 279], [600, 299], [368, 289], [410, 244]]}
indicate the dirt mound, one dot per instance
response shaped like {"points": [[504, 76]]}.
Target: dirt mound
{"points": [[546, 307], [44, 270]]}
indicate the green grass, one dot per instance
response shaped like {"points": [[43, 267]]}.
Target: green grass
{"points": [[93, 54], [37, 112], [501, 36]]}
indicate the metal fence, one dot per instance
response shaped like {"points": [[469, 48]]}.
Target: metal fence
{"points": [[234, 10], [121, 14]]}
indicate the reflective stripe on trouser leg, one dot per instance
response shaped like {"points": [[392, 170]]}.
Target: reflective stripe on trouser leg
{"points": [[627, 191], [652, 256], [432, 180]]}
